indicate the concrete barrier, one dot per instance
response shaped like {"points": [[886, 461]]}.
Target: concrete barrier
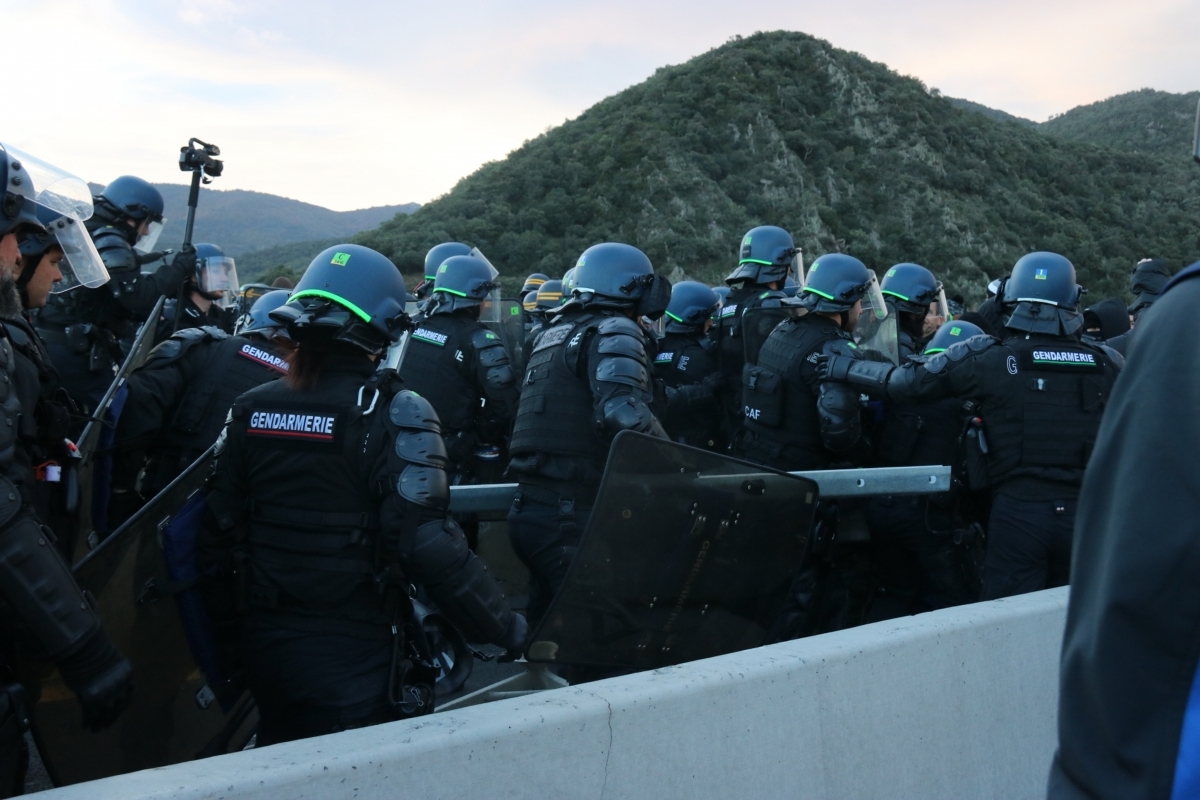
{"points": [[954, 704]]}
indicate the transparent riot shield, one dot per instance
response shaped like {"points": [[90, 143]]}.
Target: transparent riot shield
{"points": [[687, 554], [877, 333], [511, 330], [92, 474], [177, 713], [757, 324]]}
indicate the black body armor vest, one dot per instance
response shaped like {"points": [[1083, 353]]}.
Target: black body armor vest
{"points": [[779, 406], [436, 367], [556, 414]]}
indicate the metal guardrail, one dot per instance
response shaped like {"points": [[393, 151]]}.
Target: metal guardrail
{"points": [[832, 483]]}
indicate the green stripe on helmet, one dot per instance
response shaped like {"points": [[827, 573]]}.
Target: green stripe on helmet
{"points": [[451, 291], [896, 294], [672, 316], [818, 291], [335, 298]]}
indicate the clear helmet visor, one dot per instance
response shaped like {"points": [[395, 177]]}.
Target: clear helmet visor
{"points": [[46, 185], [147, 241], [489, 307], [218, 275], [876, 333], [81, 264], [797, 270], [939, 314]]}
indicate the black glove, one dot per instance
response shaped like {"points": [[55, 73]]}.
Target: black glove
{"points": [[834, 368], [514, 639], [715, 382], [101, 678], [181, 268]]}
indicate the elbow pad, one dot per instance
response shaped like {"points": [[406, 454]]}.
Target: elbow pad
{"points": [[629, 414], [438, 558], [838, 410]]}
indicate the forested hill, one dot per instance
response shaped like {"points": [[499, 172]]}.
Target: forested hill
{"points": [[848, 155], [1144, 121]]}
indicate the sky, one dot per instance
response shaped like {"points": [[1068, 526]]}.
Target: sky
{"points": [[359, 103]]}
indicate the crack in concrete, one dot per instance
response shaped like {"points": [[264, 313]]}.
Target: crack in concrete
{"points": [[608, 750]]}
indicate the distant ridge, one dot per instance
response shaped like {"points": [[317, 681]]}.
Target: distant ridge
{"points": [[241, 221], [1145, 121]]}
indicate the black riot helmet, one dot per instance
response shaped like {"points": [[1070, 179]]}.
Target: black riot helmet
{"points": [[951, 333], [133, 198], [549, 295], [257, 321], [1041, 296], [835, 282], [216, 274], [911, 288], [692, 304], [463, 282], [438, 254], [349, 293], [615, 275], [529, 301], [765, 257], [533, 283]]}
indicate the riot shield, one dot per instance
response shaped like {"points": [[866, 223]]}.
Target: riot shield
{"points": [[93, 471], [176, 714], [688, 554], [757, 324], [511, 330]]}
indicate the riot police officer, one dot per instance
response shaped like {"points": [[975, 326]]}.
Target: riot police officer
{"points": [[914, 537], [462, 368], [329, 501], [207, 296], [436, 256], [85, 329], [766, 258], [587, 379], [688, 369], [55, 259], [177, 400], [1040, 395], [549, 296], [920, 303], [794, 420], [43, 607]]}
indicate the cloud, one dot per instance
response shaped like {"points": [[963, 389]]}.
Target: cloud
{"points": [[364, 102]]}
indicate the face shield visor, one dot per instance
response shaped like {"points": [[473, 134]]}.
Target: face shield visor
{"points": [[489, 307], [797, 270], [46, 185], [876, 334], [81, 264], [939, 313], [218, 275], [147, 241]]}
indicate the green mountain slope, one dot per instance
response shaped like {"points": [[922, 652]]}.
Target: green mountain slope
{"points": [[783, 128], [994, 113], [294, 258], [1145, 121]]}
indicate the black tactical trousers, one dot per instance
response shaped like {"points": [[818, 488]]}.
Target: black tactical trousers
{"points": [[915, 554], [1029, 545], [310, 684], [545, 536]]}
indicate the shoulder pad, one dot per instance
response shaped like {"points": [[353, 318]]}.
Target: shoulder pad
{"points": [[623, 344], [169, 350], [17, 334], [619, 324], [625, 371], [482, 338], [215, 332], [977, 344], [409, 410], [115, 251], [426, 448]]}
